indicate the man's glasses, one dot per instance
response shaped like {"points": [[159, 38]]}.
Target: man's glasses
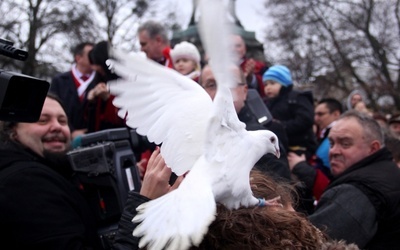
{"points": [[213, 85], [321, 113]]}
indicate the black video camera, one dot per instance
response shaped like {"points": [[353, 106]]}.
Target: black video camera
{"points": [[105, 171], [21, 96]]}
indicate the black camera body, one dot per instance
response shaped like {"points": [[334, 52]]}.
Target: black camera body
{"points": [[21, 96], [105, 171]]}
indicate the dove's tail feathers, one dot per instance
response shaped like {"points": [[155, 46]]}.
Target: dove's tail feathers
{"points": [[178, 219]]}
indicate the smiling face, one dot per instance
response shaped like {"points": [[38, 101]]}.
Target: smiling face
{"points": [[348, 145], [50, 134]]}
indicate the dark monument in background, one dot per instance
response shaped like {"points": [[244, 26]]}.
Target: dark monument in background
{"points": [[254, 48]]}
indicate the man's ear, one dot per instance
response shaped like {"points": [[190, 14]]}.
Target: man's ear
{"points": [[13, 134], [375, 146], [77, 57], [158, 39], [336, 113]]}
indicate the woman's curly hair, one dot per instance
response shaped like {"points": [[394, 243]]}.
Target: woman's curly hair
{"points": [[263, 227]]}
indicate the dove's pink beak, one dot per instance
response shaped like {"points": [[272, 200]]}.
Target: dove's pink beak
{"points": [[277, 153]]}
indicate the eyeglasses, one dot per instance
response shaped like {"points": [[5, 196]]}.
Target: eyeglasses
{"points": [[210, 85], [213, 85], [321, 113]]}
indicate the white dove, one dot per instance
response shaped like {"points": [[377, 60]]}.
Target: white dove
{"points": [[195, 133]]}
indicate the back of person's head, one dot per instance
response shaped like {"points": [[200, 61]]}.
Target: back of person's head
{"points": [[280, 74], [332, 104], [154, 29], [98, 56], [262, 227], [371, 129], [186, 50]]}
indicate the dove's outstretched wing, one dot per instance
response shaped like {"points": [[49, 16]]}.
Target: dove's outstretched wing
{"points": [[163, 105], [180, 218], [193, 126], [173, 110]]}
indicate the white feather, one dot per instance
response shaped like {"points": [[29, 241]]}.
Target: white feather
{"points": [[197, 134], [163, 105]]}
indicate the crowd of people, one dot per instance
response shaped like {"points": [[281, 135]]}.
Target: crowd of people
{"points": [[338, 177]]}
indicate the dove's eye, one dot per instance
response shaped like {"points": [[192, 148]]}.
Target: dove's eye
{"points": [[272, 139]]}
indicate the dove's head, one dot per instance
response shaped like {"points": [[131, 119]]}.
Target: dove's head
{"points": [[268, 141]]}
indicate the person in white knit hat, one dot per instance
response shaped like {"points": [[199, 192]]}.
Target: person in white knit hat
{"points": [[186, 60]]}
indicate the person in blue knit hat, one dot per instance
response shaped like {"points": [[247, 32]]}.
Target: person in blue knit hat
{"points": [[294, 110], [279, 74]]}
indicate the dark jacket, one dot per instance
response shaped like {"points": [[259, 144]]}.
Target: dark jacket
{"points": [[39, 207], [124, 240], [373, 223], [64, 87], [295, 111]]}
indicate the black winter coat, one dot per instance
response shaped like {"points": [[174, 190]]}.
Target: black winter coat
{"points": [[64, 87], [295, 111], [378, 177], [39, 207]]}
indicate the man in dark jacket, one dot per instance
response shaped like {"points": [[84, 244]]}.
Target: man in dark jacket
{"points": [[39, 207], [73, 86], [361, 204]]}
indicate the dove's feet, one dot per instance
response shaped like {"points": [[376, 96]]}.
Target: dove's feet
{"points": [[272, 202]]}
